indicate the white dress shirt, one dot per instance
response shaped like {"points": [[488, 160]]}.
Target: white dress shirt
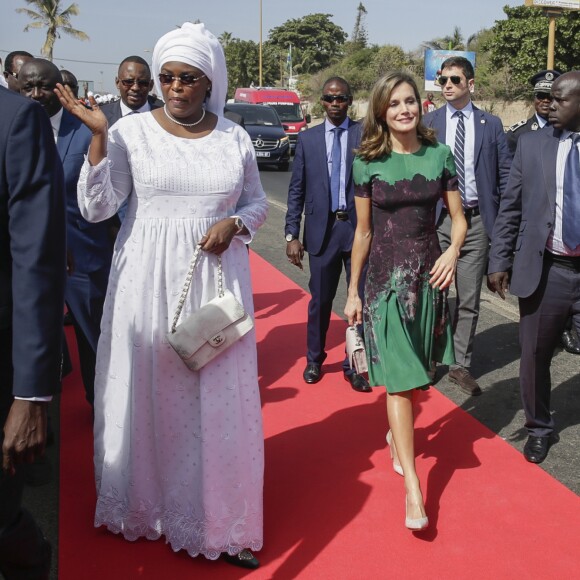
{"points": [[541, 121], [127, 111], [55, 121]]}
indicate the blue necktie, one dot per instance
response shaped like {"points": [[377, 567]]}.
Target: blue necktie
{"points": [[571, 200], [335, 170], [459, 152]]}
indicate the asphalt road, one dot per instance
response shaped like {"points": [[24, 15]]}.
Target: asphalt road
{"points": [[495, 366]]}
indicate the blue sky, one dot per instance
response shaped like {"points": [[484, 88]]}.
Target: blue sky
{"points": [[121, 28]]}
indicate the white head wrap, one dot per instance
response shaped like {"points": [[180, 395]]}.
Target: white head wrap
{"points": [[193, 44]]}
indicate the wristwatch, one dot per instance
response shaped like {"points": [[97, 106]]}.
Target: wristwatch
{"points": [[290, 237], [238, 223]]}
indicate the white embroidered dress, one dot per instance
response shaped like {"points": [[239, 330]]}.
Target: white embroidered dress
{"points": [[177, 453]]}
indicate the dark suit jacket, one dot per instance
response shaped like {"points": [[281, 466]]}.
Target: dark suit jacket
{"points": [[113, 110], [309, 189], [492, 158], [89, 243], [526, 212], [32, 245]]}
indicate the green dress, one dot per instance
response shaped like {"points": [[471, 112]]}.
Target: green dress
{"points": [[406, 321]]}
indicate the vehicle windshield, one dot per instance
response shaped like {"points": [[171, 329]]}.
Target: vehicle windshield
{"points": [[259, 116], [288, 112]]}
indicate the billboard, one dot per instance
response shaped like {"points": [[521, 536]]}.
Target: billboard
{"points": [[433, 61], [565, 4]]}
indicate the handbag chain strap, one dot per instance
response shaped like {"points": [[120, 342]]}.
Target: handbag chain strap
{"points": [[187, 284]]}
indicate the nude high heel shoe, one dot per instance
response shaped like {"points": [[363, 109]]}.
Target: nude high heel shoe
{"points": [[397, 467], [417, 524]]}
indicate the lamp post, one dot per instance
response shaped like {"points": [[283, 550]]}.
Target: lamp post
{"points": [[289, 65], [260, 47]]}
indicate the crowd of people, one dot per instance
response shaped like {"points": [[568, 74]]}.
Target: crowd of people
{"points": [[103, 207]]}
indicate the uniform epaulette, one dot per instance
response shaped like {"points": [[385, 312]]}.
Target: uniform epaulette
{"points": [[518, 125]]}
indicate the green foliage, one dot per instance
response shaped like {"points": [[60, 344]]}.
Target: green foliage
{"points": [[55, 19], [225, 38], [363, 67], [453, 41], [507, 54], [356, 68], [359, 37], [519, 45], [389, 58], [316, 41], [243, 62]]}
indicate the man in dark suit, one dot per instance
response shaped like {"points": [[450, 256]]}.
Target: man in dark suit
{"points": [[32, 281], [89, 244], [134, 84], [322, 187], [483, 162], [542, 83], [539, 226]]}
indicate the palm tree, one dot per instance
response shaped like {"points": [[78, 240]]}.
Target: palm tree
{"points": [[454, 41], [51, 16], [225, 38]]}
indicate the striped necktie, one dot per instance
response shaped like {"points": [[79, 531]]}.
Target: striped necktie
{"points": [[459, 152]]}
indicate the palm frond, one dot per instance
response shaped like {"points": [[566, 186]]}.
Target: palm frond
{"points": [[78, 34], [30, 13], [33, 25], [51, 16]]}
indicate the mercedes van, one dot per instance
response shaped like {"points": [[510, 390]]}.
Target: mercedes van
{"points": [[285, 102]]}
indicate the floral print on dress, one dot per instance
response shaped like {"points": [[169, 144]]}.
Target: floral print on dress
{"points": [[404, 190]]}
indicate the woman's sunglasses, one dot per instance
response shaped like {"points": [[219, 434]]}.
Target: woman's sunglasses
{"points": [[454, 79], [186, 79]]}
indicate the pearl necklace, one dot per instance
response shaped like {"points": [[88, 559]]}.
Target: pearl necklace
{"points": [[184, 124]]}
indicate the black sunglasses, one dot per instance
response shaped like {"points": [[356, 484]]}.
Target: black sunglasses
{"points": [[186, 79], [454, 79], [332, 98], [130, 82], [543, 96], [6, 71]]}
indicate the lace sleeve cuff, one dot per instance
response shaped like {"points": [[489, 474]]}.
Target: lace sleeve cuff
{"points": [[93, 177], [95, 194]]}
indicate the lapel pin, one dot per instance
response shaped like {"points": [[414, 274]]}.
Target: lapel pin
{"points": [[482, 121]]}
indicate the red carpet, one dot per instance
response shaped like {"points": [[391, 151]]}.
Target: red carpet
{"points": [[334, 508]]}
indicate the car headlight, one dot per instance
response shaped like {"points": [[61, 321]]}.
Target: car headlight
{"points": [[303, 128], [284, 140]]}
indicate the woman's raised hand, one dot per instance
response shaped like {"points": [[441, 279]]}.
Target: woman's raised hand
{"points": [[93, 118]]}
